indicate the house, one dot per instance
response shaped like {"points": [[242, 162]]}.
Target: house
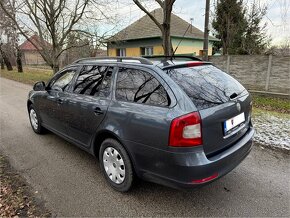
{"points": [[143, 37], [30, 55], [100, 53]]}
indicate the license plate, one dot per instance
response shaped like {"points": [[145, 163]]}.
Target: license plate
{"points": [[233, 122]]}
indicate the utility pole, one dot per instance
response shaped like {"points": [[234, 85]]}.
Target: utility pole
{"points": [[206, 31]]}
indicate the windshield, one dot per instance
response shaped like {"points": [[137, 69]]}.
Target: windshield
{"points": [[206, 85]]}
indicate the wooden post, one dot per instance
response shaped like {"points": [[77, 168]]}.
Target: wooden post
{"points": [[268, 73]]}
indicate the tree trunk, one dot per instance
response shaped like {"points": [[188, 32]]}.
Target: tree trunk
{"points": [[55, 60], [55, 67], [19, 60], [8, 64], [166, 38], [2, 63], [226, 41], [166, 42], [164, 27], [6, 60]]}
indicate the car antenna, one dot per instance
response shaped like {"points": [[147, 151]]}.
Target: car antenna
{"points": [[180, 42]]}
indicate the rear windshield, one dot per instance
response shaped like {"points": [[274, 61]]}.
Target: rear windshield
{"points": [[206, 85]]}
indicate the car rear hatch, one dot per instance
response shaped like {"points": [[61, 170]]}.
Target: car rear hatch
{"points": [[223, 103]]}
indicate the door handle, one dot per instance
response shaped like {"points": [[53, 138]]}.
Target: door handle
{"points": [[98, 111], [59, 101]]}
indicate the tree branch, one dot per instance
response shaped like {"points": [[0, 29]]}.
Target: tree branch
{"points": [[149, 14]]}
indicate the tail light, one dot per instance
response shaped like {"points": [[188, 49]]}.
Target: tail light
{"points": [[185, 131]]}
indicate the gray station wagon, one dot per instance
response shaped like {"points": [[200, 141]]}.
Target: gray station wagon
{"points": [[177, 121]]}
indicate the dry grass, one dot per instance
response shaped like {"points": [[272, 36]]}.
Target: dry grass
{"points": [[281, 105], [29, 76]]}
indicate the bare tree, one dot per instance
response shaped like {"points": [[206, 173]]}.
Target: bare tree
{"points": [[164, 27], [53, 21], [280, 50], [4, 56], [9, 30], [5, 42]]}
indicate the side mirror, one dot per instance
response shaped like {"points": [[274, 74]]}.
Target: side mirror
{"points": [[39, 86]]}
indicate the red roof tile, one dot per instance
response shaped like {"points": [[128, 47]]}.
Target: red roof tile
{"points": [[27, 45]]}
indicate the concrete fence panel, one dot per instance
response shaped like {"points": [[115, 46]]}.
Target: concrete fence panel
{"points": [[257, 72], [280, 75]]}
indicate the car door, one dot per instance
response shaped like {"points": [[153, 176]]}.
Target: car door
{"points": [[88, 102], [52, 103], [141, 106]]}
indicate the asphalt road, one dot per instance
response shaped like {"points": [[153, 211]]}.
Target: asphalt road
{"points": [[70, 182]]}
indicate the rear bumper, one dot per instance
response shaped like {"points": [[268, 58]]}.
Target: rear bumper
{"points": [[180, 169]]}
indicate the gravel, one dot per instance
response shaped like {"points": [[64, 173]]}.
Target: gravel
{"points": [[272, 129]]}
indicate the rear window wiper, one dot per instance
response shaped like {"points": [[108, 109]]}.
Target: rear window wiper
{"points": [[235, 95]]}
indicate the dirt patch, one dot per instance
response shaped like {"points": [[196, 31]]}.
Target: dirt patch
{"points": [[16, 196]]}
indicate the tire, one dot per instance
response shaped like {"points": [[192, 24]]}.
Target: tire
{"points": [[35, 120], [116, 165]]}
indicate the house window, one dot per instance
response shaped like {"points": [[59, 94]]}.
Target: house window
{"points": [[121, 52], [146, 50]]}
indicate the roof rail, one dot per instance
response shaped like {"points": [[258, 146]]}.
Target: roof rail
{"points": [[190, 58], [117, 59]]}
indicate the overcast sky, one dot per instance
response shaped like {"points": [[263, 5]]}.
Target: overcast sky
{"points": [[277, 17]]}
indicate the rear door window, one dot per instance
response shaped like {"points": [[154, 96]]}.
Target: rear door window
{"points": [[206, 85], [134, 85]]}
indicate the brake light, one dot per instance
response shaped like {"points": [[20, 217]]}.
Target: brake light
{"points": [[185, 131], [188, 64], [194, 64]]}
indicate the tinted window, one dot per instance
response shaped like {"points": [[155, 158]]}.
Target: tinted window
{"points": [[206, 85], [63, 81], [106, 84], [139, 86], [94, 80]]}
